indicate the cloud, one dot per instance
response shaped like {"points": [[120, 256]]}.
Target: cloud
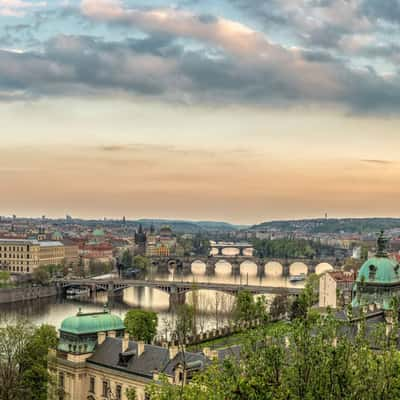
{"points": [[190, 58], [17, 8], [377, 162]]}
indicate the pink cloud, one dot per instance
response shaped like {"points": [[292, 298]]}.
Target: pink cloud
{"points": [[17, 8]]}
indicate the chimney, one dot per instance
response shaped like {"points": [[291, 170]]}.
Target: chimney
{"points": [[389, 321], [125, 342], [173, 351], [140, 348], [101, 337], [156, 375]]}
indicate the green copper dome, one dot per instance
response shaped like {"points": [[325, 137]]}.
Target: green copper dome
{"points": [[379, 270], [92, 323], [98, 232]]}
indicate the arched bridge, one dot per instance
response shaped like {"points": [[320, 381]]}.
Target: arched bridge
{"points": [[237, 261], [176, 289]]}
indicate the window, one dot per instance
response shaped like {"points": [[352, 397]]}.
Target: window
{"points": [[118, 392], [105, 388], [92, 384], [61, 381]]}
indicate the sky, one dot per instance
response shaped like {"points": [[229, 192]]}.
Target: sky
{"points": [[236, 110]]}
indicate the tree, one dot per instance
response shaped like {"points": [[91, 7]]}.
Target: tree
{"points": [[141, 262], [126, 260], [34, 363], [4, 278], [24, 370], [279, 306], [141, 324], [245, 308], [41, 275]]}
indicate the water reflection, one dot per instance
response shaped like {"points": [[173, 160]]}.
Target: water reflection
{"points": [[54, 310]]}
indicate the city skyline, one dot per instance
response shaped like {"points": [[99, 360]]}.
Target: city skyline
{"points": [[232, 110]]}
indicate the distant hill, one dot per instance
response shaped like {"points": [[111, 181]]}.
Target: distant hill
{"points": [[331, 225], [189, 226]]}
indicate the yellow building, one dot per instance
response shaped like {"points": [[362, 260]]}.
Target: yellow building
{"points": [[95, 360], [24, 256]]}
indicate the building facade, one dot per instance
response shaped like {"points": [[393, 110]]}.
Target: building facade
{"points": [[378, 280], [24, 256], [95, 360], [335, 289]]}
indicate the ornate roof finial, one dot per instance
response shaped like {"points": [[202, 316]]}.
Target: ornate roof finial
{"points": [[382, 242]]}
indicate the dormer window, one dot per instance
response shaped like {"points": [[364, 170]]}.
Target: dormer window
{"points": [[372, 272]]}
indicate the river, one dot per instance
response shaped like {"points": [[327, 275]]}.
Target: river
{"points": [[54, 310]]}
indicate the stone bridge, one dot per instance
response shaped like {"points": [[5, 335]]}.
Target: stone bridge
{"points": [[176, 289], [186, 263], [241, 246]]}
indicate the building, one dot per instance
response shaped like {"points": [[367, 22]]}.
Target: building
{"points": [[96, 360], [162, 245], [378, 280], [24, 256], [335, 289], [140, 241]]}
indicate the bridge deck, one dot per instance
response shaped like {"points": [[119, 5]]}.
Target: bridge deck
{"points": [[183, 285]]}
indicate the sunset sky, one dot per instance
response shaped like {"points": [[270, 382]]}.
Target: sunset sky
{"points": [[237, 110]]}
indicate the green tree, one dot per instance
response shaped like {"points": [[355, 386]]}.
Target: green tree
{"points": [[141, 262], [24, 372], [141, 324], [4, 278], [127, 259], [41, 275], [245, 307], [34, 362]]}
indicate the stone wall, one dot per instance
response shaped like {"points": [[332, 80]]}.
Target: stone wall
{"points": [[13, 295], [212, 334]]}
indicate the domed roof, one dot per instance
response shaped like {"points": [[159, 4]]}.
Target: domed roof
{"points": [[92, 323], [57, 236], [98, 232], [379, 270]]}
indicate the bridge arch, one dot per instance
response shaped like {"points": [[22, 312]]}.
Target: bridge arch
{"points": [[323, 267], [298, 268], [198, 267], [273, 268], [248, 267]]}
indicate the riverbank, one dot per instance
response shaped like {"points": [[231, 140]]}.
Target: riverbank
{"points": [[13, 295]]}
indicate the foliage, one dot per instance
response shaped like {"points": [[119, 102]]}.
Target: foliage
{"points": [[311, 360], [142, 263], [99, 268], [4, 279], [290, 248], [247, 309], [127, 259], [141, 324], [279, 307], [41, 275], [131, 394], [23, 361]]}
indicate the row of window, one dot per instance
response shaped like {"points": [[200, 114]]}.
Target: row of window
{"points": [[17, 269], [15, 255], [14, 248]]}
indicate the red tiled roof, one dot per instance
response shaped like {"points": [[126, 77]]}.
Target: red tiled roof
{"points": [[342, 276]]}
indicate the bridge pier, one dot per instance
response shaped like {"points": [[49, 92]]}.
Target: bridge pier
{"points": [[235, 268], [311, 268], [210, 268], [285, 269], [261, 269], [176, 299]]}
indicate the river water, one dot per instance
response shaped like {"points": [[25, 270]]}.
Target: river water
{"points": [[214, 306]]}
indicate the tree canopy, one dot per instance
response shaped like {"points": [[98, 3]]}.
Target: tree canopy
{"points": [[141, 324]]}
